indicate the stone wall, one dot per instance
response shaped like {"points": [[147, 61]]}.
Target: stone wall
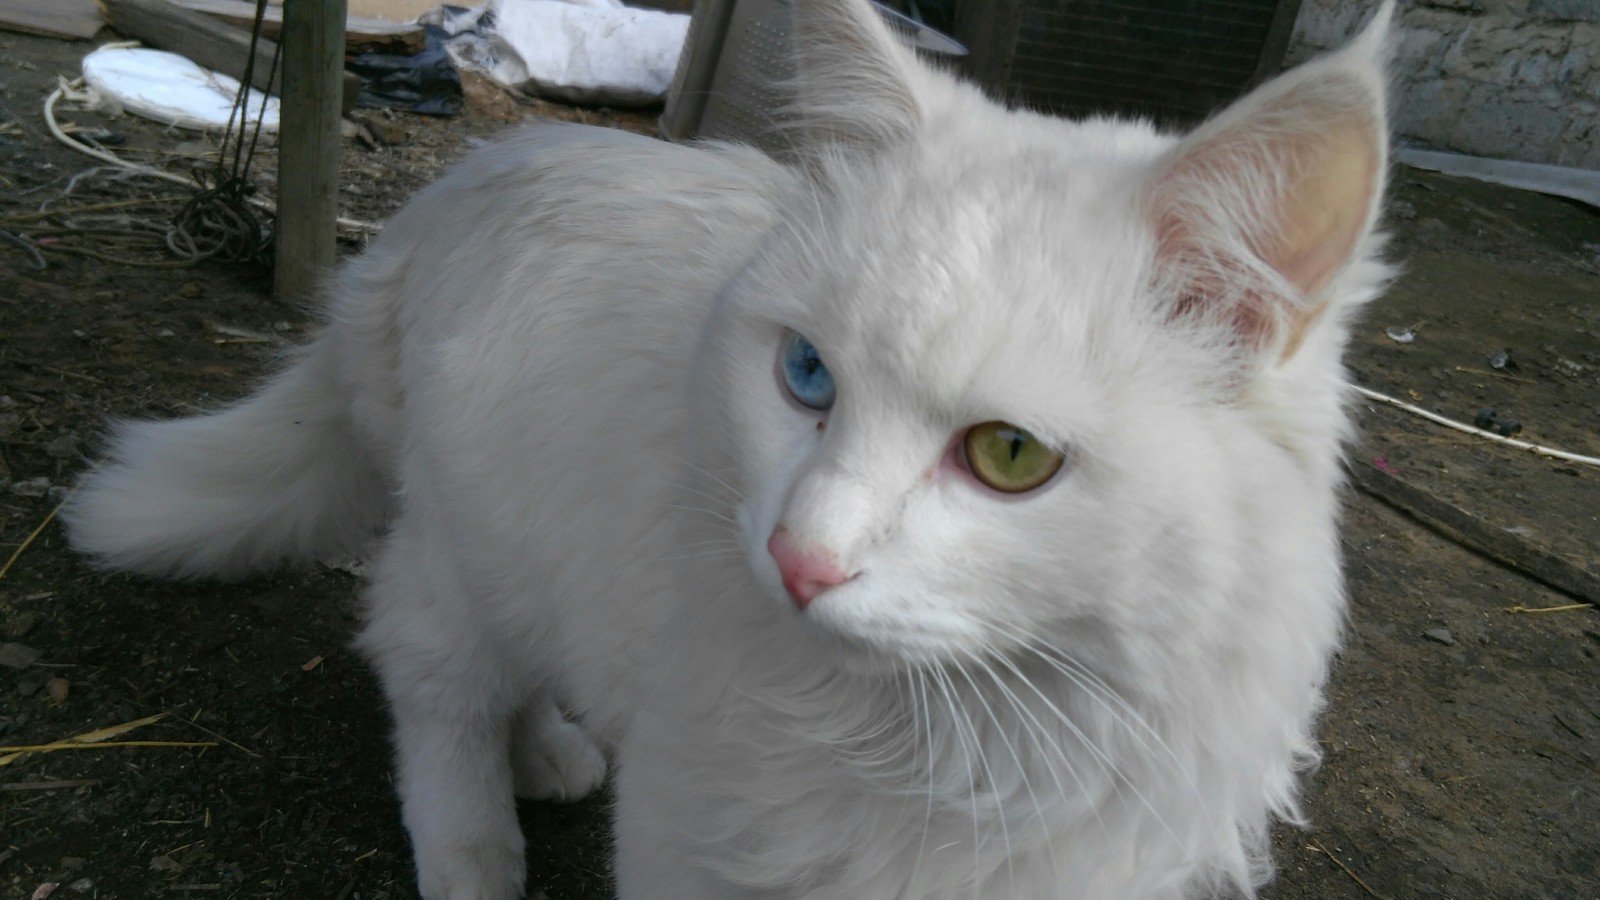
{"points": [[1512, 79]]}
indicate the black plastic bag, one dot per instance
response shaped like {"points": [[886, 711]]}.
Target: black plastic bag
{"points": [[424, 82]]}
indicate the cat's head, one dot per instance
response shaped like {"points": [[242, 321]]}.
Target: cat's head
{"points": [[999, 379]]}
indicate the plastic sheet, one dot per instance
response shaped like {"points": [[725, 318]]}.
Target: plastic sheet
{"points": [[579, 51], [170, 89]]}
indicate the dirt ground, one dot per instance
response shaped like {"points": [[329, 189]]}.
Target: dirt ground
{"points": [[1462, 740]]}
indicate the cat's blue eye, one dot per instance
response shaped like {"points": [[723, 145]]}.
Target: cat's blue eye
{"points": [[804, 373]]}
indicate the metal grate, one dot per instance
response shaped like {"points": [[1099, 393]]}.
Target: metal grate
{"points": [[1171, 60], [745, 93]]}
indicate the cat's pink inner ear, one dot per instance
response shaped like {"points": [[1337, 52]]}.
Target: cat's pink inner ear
{"points": [[1325, 211], [1288, 180]]}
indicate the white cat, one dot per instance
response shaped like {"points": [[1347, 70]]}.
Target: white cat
{"points": [[947, 512]]}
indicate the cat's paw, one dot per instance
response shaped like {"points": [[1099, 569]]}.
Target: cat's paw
{"points": [[479, 872], [552, 759]]}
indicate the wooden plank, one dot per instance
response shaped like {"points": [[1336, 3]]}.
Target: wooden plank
{"points": [[74, 19], [212, 44], [1505, 547], [309, 146], [393, 10], [361, 33]]}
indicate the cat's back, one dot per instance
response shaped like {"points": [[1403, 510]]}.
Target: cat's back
{"points": [[556, 213], [556, 262]]}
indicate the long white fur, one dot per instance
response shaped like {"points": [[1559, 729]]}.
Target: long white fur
{"points": [[550, 387]]}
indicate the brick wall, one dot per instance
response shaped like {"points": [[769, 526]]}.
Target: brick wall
{"points": [[1513, 79]]}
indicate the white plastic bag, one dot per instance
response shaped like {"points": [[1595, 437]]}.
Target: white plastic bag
{"points": [[583, 51], [170, 89]]}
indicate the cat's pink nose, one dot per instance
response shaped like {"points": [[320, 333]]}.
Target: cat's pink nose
{"points": [[805, 574]]}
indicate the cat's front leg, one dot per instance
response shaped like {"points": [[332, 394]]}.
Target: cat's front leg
{"points": [[454, 779], [551, 758], [453, 708]]}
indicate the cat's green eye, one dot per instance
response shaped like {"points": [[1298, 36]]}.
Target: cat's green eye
{"points": [[1008, 458]]}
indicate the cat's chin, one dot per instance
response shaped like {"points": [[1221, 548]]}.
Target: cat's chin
{"points": [[859, 657], [861, 640]]}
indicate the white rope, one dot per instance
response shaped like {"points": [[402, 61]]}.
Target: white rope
{"points": [[1469, 429], [72, 91]]}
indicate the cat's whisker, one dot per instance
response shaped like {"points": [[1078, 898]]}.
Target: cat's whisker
{"points": [[816, 232], [994, 786], [899, 711], [1084, 679], [1038, 734], [1107, 765], [726, 491], [723, 517], [719, 550], [1033, 730], [734, 493], [726, 547], [883, 754], [1097, 689], [1118, 776], [707, 495], [1029, 724], [711, 551], [875, 740], [927, 727], [946, 689], [906, 700], [1061, 754], [805, 231], [697, 557], [731, 550], [712, 542]]}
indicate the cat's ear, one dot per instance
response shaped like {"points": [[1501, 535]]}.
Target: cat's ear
{"points": [[853, 82], [1258, 210]]}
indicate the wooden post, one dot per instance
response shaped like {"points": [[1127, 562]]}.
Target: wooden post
{"points": [[308, 144]]}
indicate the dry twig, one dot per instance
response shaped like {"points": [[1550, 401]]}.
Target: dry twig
{"points": [[1347, 870], [18, 749], [100, 737], [15, 554], [1505, 375]]}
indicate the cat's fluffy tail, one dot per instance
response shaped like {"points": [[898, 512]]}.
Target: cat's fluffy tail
{"points": [[283, 475]]}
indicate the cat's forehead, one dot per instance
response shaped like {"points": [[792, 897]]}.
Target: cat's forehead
{"points": [[981, 279], [1050, 210]]}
